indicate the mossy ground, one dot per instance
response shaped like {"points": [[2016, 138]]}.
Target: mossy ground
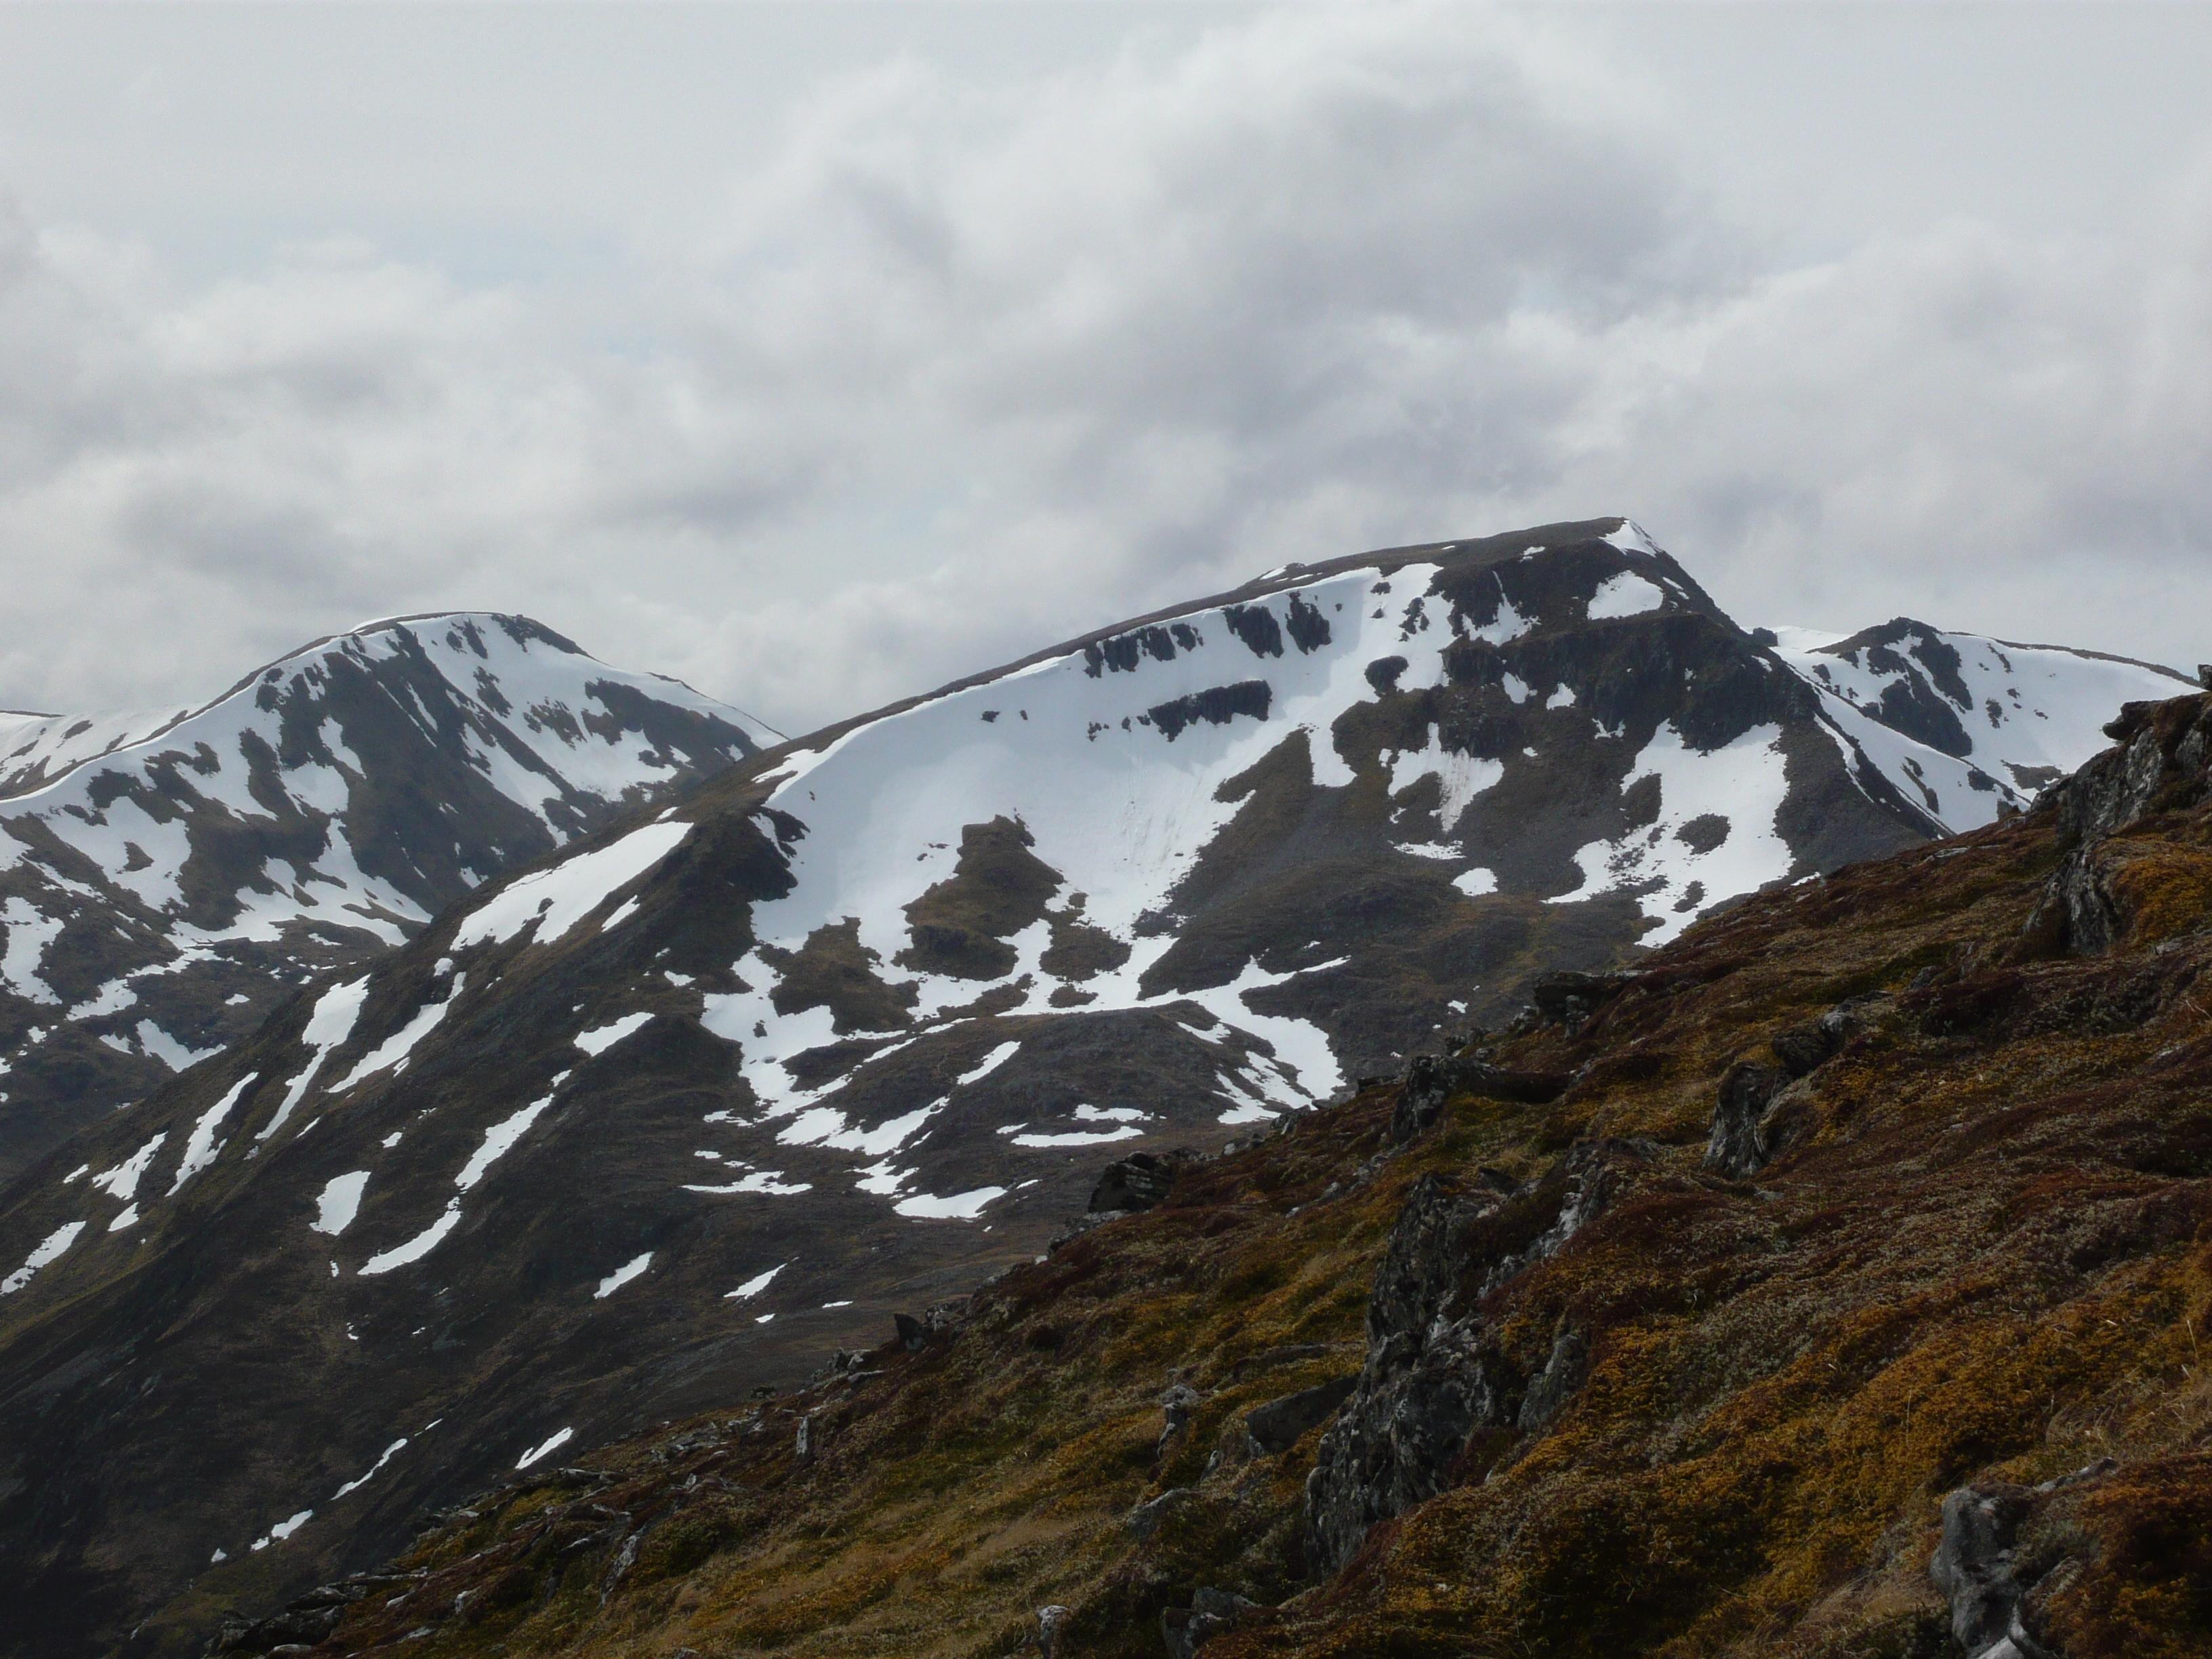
{"points": [[1989, 1258]]}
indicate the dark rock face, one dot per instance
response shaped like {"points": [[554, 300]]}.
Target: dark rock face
{"points": [[1740, 1144], [1137, 1181], [1804, 1049], [1434, 1375], [2162, 763], [1987, 1575], [1433, 1079], [1280, 1424], [1185, 1631], [1568, 997]]}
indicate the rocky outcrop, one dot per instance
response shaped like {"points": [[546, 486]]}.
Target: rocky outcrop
{"points": [[1432, 1079], [1210, 1612], [1761, 1113], [1568, 999], [1137, 1181], [2162, 763], [1435, 1374], [1988, 1575]]}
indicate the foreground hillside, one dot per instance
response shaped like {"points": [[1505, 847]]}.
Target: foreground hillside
{"points": [[167, 881], [1867, 1226]]}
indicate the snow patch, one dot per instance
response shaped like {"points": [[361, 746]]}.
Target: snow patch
{"points": [[600, 1038], [559, 896], [545, 1447], [622, 1276], [201, 1145], [1625, 595], [339, 1203], [956, 1207], [45, 1254]]}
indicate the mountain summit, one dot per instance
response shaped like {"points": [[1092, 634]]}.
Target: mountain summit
{"points": [[725, 1086], [167, 880]]}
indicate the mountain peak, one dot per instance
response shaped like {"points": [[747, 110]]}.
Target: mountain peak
{"points": [[165, 879]]}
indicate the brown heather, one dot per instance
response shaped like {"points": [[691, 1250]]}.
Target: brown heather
{"points": [[1990, 1258]]}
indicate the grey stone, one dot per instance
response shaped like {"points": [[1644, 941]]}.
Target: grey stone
{"points": [[1177, 1405], [1142, 1181], [1435, 1373], [1052, 1623], [1978, 1564], [1562, 1374], [1279, 1424], [1735, 1147], [1184, 1630], [1432, 1079]]}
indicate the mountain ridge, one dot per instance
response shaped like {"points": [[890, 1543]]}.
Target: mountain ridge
{"points": [[854, 1023], [309, 817]]}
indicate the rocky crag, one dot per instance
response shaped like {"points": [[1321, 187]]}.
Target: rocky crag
{"points": [[1832, 1284]]}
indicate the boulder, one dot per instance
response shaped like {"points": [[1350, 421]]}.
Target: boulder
{"points": [[912, 1332], [1973, 1563], [1139, 1182], [1985, 1571], [1052, 1623], [1210, 1612], [1737, 1145], [1176, 1407], [1279, 1424], [1432, 1079]]}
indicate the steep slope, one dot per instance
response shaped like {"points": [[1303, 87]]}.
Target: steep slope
{"points": [[856, 1022], [167, 880], [1975, 725], [1833, 1286]]}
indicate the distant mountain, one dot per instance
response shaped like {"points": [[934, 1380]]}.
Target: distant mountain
{"points": [[165, 880], [1964, 725], [720, 1088]]}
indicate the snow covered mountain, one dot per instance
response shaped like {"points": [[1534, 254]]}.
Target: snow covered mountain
{"points": [[166, 880], [722, 1088], [1963, 724]]}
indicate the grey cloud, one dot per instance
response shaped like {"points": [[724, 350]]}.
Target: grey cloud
{"points": [[967, 363]]}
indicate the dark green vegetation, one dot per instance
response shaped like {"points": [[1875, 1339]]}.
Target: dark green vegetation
{"points": [[1955, 1233]]}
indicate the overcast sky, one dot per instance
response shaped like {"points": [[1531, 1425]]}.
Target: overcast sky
{"points": [[817, 355]]}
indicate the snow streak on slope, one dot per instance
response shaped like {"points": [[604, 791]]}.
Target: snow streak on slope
{"points": [[1963, 724]]}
